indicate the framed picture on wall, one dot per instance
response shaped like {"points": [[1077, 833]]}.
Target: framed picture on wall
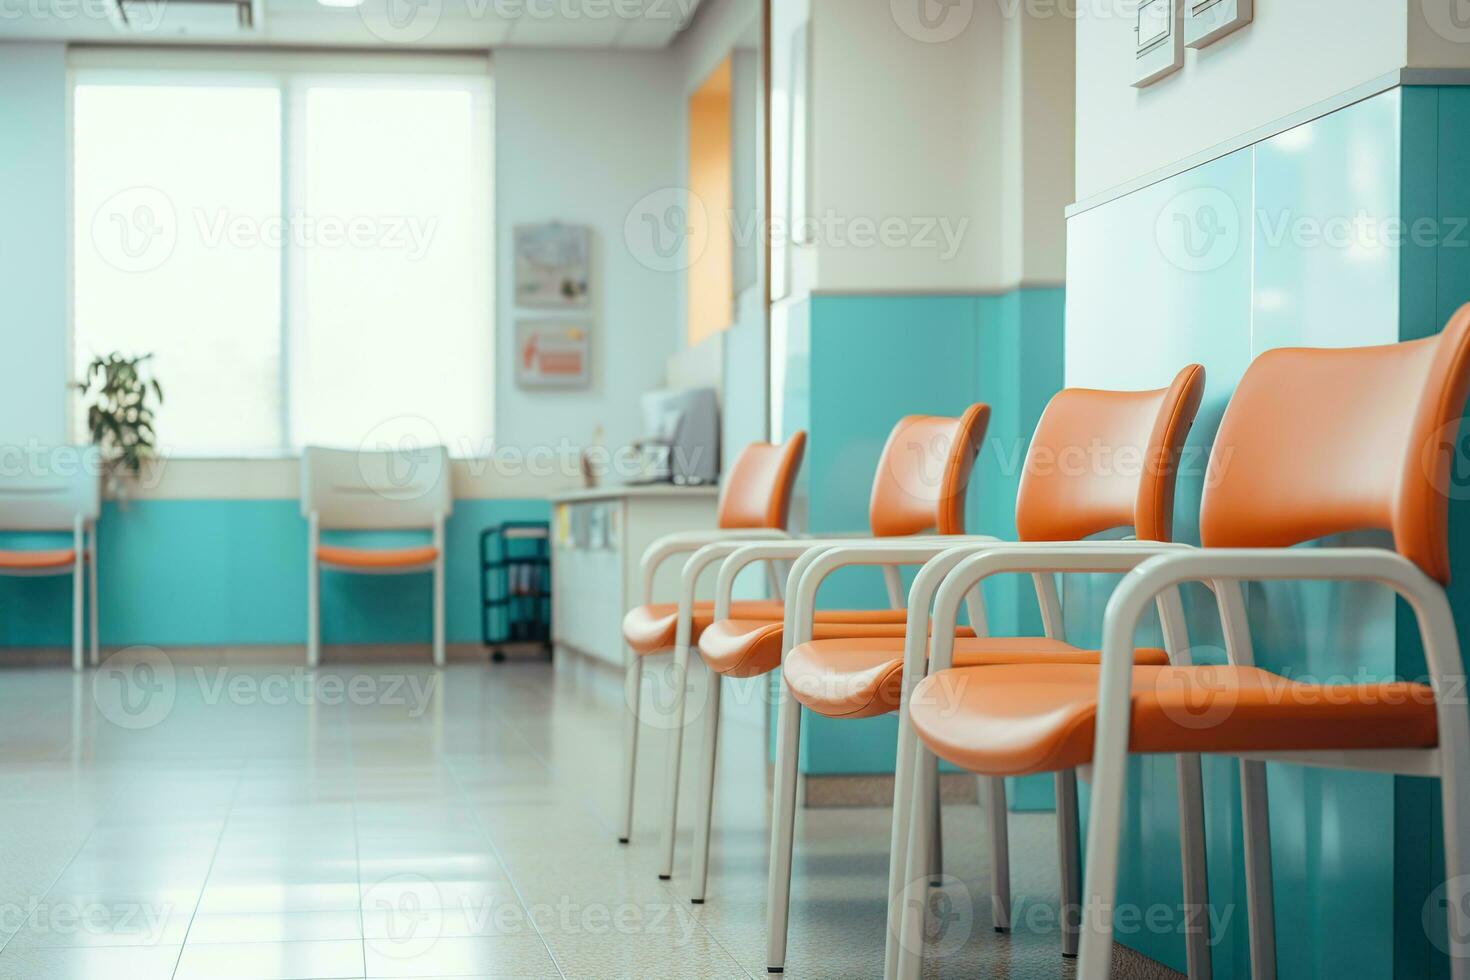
{"points": [[553, 354], [553, 265]]}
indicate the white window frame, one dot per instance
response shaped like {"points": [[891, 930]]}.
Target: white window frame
{"points": [[291, 73]]}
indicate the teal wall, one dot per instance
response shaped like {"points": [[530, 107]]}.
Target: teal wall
{"points": [[1249, 252], [225, 572], [856, 364]]}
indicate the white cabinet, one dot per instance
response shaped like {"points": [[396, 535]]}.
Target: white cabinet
{"points": [[598, 539]]}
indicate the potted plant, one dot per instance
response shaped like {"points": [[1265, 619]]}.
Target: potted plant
{"points": [[121, 398]]}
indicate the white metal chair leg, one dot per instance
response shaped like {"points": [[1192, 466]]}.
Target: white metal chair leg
{"points": [[678, 680], [1256, 823], [632, 691], [1104, 829], [702, 823], [915, 898], [1069, 856], [439, 656], [77, 599], [1455, 804], [898, 851], [1193, 862], [313, 595], [1000, 850], [92, 630], [783, 831], [936, 835]]}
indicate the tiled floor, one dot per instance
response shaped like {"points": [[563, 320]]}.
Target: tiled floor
{"points": [[193, 816]]}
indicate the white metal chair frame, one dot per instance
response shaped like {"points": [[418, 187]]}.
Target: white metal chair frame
{"points": [[37, 504], [440, 506], [1037, 558]]}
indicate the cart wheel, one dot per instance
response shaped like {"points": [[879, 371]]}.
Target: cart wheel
{"points": [[498, 656]]}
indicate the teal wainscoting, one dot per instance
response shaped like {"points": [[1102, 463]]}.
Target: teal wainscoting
{"points": [[227, 572], [855, 365], [1294, 241]]}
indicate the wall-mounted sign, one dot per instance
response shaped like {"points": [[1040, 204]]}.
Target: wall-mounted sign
{"points": [[553, 265], [1158, 47], [1206, 21], [553, 354]]}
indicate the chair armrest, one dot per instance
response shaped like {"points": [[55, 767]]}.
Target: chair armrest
{"points": [[687, 542]]}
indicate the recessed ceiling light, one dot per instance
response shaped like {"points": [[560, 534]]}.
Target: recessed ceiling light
{"points": [[340, 3]]}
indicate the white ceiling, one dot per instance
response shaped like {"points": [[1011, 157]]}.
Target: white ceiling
{"points": [[631, 24]]}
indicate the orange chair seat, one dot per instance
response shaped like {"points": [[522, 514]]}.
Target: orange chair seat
{"points": [[861, 678], [1016, 720], [30, 560], [750, 648], [651, 628], [333, 554]]}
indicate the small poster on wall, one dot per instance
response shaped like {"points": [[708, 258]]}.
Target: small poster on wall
{"points": [[553, 265], [552, 354]]}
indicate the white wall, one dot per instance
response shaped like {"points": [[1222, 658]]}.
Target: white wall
{"points": [[1295, 53], [581, 136], [906, 129], [35, 219]]}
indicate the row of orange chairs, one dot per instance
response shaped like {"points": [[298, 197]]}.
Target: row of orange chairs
{"points": [[1314, 442]]}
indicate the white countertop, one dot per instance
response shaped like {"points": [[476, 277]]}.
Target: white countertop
{"points": [[617, 491]]}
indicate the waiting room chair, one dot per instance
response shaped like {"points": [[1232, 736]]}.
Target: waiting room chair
{"points": [[1315, 442], [377, 490], [755, 502], [64, 494], [1099, 462], [919, 486]]}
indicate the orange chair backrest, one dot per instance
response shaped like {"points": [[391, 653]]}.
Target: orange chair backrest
{"points": [[1107, 459], [757, 491], [1319, 441], [924, 472]]}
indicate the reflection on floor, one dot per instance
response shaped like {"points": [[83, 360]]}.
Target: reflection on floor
{"points": [[212, 816]]}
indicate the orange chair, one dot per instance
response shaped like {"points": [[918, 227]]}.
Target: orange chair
{"points": [[755, 502], [65, 495], [391, 489], [1314, 442], [1099, 461], [920, 483]]}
